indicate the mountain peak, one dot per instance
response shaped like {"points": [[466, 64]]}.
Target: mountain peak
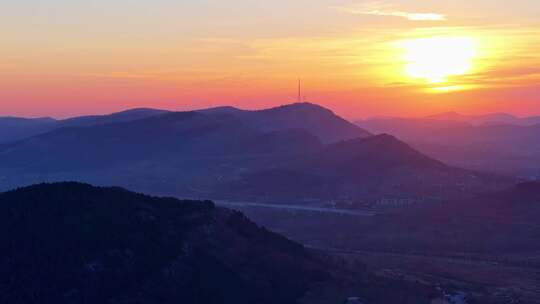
{"points": [[382, 148], [303, 106], [140, 110], [316, 119], [385, 137], [220, 110]]}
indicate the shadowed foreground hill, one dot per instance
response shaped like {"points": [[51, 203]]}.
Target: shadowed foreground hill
{"points": [[74, 243]]}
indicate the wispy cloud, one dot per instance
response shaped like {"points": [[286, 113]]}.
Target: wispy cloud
{"points": [[385, 9], [410, 16]]}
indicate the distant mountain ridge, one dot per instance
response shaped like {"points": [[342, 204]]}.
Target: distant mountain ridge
{"points": [[123, 116], [306, 116], [294, 151], [486, 119], [15, 128], [14, 121], [507, 146], [370, 168]]}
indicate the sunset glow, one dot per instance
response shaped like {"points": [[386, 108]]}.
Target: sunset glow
{"points": [[282, 151], [360, 58]]}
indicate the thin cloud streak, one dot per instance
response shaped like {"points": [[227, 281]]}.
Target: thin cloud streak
{"points": [[386, 10], [409, 16]]}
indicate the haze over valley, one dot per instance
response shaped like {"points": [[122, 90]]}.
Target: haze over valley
{"points": [[340, 189], [270, 152]]}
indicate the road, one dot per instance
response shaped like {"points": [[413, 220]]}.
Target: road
{"points": [[295, 208]]}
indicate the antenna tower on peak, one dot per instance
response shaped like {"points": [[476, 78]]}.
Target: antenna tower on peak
{"points": [[299, 98]]}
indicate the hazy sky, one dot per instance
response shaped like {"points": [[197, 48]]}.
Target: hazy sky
{"points": [[360, 58]]}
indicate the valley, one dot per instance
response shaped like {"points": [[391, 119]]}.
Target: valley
{"points": [[372, 210], [488, 258], [270, 152]]}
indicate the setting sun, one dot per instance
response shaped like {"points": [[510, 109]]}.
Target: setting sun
{"points": [[251, 151], [435, 59]]}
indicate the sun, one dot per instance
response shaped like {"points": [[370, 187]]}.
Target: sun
{"points": [[436, 59]]}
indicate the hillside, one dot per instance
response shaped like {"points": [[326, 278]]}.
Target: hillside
{"points": [[312, 118], [16, 128], [484, 246], [487, 119], [409, 129], [123, 116], [221, 155], [361, 169], [317, 120], [74, 243], [109, 145], [509, 149]]}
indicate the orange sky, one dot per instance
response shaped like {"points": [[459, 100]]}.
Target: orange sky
{"points": [[361, 58]]}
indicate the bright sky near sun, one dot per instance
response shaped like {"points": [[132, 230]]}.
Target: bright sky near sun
{"points": [[361, 58]]}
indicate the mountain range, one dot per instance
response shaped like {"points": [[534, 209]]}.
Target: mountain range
{"points": [[70, 242], [295, 151], [16, 128], [506, 146], [320, 121], [487, 119]]}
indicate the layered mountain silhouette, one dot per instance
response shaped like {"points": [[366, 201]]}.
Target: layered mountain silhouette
{"points": [[74, 243], [15, 128], [351, 169], [71, 242], [410, 129], [487, 119], [505, 148], [319, 121], [298, 150], [124, 116]]}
